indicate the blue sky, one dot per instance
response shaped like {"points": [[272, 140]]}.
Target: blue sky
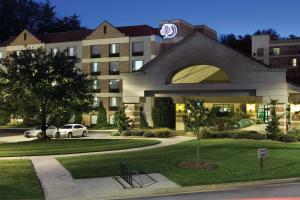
{"points": [[225, 16]]}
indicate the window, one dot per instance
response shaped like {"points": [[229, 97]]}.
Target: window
{"points": [[136, 65], [72, 51], [95, 69], [114, 103], [18, 53], [54, 51], [224, 109], [25, 36], [294, 62], [137, 49], [96, 101], [114, 85], [95, 51], [94, 119], [293, 50], [114, 50], [260, 52], [96, 86], [114, 68], [111, 119], [0, 55], [104, 29], [275, 63], [276, 51]]}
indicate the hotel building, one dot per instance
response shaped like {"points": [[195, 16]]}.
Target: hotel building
{"points": [[134, 64]]}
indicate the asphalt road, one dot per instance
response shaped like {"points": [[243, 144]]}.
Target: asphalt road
{"points": [[288, 191]]}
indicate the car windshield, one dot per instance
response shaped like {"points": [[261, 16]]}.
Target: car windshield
{"points": [[37, 128], [66, 127]]}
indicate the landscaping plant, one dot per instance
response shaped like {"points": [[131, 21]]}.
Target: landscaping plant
{"points": [[122, 122], [102, 118], [272, 127]]}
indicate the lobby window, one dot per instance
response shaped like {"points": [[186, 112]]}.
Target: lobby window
{"points": [[260, 52], [54, 51], [294, 62], [114, 103], [111, 119], [137, 49], [114, 50], [275, 63], [114, 68], [95, 69], [225, 110], [96, 86], [95, 51], [136, 65], [114, 85], [276, 51], [72, 51]]}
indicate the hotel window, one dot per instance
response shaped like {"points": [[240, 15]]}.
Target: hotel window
{"points": [[96, 101], [18, 53], [114, 68], [275, 63], [260, 52], [276, 51], [96, 86], [95, 51], [294, 62], [114, 85], [114, 50], [95, 69], [293, 50], [137, 49], [72, 51], [111, 119], [136, 65], [0, 55], [94, 119], [54, 51], [114, 103]]}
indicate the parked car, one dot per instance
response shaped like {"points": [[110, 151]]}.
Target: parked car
{"points": [[37, 132], [72, 130]]}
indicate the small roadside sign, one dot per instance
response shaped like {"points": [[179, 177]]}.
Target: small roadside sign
{"points": [[262, 153]]}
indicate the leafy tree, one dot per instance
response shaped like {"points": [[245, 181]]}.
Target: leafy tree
{"points": [[40, 86], [272, 127], [78, 118], [123, 122], [163, 113], [102, 117], [273, 33], [197, 117]]}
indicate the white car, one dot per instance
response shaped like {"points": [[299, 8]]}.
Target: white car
{"points": [[72, 130], [37, 132]]}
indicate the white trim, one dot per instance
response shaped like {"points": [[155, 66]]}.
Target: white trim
{"points": [[105, 41], [107, 59]]}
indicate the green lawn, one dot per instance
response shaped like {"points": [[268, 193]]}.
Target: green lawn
{"points": [[18, 180], [38, 147], [237, 161]]}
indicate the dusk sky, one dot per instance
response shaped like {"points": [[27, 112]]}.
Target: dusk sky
{"points": [[225, 16]]}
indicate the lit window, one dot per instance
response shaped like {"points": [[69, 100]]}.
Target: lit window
{"points": [[95, 68], [111, 119], [72, 51], [294, 62], [138, 49], [114, 50], [97, 101], [114, 101], [136, 65], [114, 85], [114, 68], [96, 85], [94, 119], [0, 55], [54, 51], [95, 51], [276, 51]]}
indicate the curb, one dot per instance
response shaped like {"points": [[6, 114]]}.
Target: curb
{"points": [[203, 188]]}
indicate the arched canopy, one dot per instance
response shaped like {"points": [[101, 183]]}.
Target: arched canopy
{"points": [[201, 74]]}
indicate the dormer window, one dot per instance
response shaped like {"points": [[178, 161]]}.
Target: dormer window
{"points": [[25, 36], [104, 29]]}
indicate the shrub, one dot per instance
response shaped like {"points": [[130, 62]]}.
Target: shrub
{"points": [[250, 135], [162, 132], [149, 134], [102, 118], [221, 134], [116, 133], [163, 113], [286, 138], [126, 133], [245, 123], [138, 132]]}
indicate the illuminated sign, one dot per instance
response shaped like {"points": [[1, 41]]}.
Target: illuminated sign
{"points": [[168, 30]]}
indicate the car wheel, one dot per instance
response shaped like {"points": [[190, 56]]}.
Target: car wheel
{"points": [[39, 135], [84, 134], [70, 135]]}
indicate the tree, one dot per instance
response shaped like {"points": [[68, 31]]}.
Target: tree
{"points": [[241, 42], [102, 117], [198, 116], [272, 32], [272, 127], [123, 122], [40, 86], [163, 113]]}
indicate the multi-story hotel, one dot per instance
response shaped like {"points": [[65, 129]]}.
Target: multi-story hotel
{"points": [[276, 53], [135, 64]]}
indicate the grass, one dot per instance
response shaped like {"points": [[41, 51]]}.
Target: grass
{"points": [[236, 159], [18, 180], [39, 147]]}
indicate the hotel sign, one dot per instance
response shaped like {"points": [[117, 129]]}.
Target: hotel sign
{"points": [[168, 31]]}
